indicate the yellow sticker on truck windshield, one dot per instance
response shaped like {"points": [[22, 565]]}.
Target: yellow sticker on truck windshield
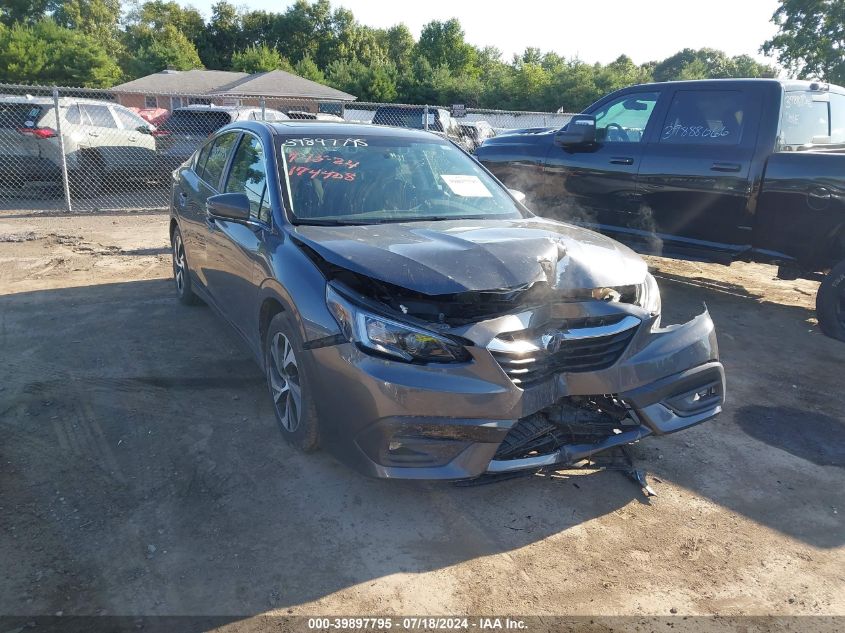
{"points": [[466, 186]]}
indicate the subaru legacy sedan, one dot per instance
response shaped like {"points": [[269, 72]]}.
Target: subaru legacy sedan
{"points": [[414, 318]]}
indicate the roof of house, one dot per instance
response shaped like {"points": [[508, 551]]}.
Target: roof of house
{"points": [[278, 83], [181, 82]]}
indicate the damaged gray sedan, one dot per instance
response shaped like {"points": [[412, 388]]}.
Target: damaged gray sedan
{"points": [[412, 317]]}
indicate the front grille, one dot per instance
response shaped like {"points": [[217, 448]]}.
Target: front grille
{"points": [[578, 351]]}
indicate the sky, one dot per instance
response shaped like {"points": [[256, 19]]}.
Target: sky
{"points": [[592, 30]]}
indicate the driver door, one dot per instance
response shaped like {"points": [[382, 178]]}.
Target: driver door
{"points": [[596, 185]]}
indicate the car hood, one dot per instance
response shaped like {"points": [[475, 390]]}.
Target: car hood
{"points": [[454, 256]]}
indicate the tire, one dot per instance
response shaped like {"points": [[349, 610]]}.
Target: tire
{"points": [[287, 374], [181, 271], [87, 181], [830, 303]]}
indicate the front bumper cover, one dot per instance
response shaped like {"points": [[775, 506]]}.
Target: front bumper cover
{"points": [[396, 420]]}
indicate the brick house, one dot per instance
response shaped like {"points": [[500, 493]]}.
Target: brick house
{"points": [[280, 90]]}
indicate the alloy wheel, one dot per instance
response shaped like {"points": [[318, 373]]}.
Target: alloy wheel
{"points": [[179, 268], [284, 382]]}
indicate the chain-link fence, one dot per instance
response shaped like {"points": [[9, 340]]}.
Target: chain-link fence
{"points": [[74, 149]]}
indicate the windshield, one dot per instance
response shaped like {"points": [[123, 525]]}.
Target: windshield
{"points": [[365, 180]]}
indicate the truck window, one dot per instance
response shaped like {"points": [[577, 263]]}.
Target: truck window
{"points": [[805, 119], [705, 117], [624, 119]]}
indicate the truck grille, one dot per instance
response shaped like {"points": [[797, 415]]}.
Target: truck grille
{"points": [[579, 345]]}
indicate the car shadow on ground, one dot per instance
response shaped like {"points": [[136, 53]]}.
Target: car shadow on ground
{"points": [[141, 458]]}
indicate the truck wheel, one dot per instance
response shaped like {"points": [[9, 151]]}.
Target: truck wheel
{"points": [[830, 303]]}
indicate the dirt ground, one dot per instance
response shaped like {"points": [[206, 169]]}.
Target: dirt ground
{"points": [[142, 472]]}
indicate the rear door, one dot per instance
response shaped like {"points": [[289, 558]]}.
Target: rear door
{"points": [[210, 167], [694, 180], [596, 185]]}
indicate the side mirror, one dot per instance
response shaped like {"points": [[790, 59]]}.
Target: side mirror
{"points": [[581, 130], [229, 206], [144, 129], [520, 197]]}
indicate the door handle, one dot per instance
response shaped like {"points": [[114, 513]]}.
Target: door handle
{"points": [[725, 167], [621, 160], [133, 139], [183, 199]]}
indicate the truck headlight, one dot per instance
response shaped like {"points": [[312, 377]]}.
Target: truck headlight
{"points": [[402, 341], [648, 295]]}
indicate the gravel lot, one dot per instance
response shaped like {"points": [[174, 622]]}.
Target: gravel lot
{"points": [[142, 472]]}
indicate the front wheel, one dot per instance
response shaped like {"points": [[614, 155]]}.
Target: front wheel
{"points": [[290, 387], [830, 303]]}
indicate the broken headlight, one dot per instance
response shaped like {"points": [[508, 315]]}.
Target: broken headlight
{"points": [[375, 333], [646, 295]]}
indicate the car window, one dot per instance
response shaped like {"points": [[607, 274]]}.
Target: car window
{"points": [[248, 175], [19, 115], [624, 119], [72, 115], [99, 115], [129, 120], [805, 119], [386, 179], [705, 117], [212, 168]]}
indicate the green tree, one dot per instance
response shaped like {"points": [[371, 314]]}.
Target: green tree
{"points": [[443, 44], [810, 42], [398, 44], [222, 37], [97, 18], [47, 53], [151, 51], [258, 59], [24, 11], [307, 68]]}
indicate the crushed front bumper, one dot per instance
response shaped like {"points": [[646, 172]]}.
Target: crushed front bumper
{"points": [[397, 420]]}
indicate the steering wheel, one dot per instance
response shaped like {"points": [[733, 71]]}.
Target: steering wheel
{"points": [[617, 131]]}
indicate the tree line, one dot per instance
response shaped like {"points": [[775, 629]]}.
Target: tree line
{"points": [[92, 43]]}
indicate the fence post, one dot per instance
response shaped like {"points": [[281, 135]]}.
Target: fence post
{"points": [[263, 109], [65, 176], [425, 116]]}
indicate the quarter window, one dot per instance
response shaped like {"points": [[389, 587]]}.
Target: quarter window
{"points": [[248, 175], [211, 169], [624, 120], [705, 117]]}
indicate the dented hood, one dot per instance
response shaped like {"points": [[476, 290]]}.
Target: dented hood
{"points": [[453, 256]]}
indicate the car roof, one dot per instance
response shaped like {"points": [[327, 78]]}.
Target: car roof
{"points": [[338, 128], [49, 100], [350, 129]]}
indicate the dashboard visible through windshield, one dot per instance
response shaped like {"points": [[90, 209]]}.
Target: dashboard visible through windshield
{"points": [[370, 180]]}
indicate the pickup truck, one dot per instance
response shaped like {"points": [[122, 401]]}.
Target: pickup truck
{"points": [[718, 170]]}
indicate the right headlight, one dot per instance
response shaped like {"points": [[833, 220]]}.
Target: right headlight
{"points": [[401, 341]]}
